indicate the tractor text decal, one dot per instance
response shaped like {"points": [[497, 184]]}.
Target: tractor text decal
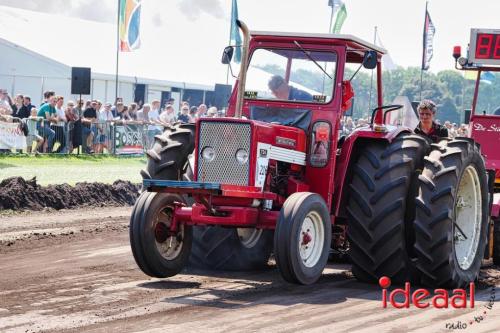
{"points": [[481, 128]]}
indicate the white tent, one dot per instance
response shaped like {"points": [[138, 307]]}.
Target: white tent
{"points": [[38, 50]]}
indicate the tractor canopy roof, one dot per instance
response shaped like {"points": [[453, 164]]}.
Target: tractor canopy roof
{"points": [[353, 44]]}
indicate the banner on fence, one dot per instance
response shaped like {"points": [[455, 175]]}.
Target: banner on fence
{"points": [[129, 139], [11, 136]]}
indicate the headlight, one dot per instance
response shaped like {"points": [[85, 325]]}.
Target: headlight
{"points": [[208, 154], [242, 156]]}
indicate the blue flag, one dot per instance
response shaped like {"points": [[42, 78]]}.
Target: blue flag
{"points": [[235, 32]]}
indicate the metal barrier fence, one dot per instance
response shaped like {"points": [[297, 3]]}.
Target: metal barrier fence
{"points": [[35, 135]]}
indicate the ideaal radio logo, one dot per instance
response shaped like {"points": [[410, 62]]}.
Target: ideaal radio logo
{"points": [[440, 299]]}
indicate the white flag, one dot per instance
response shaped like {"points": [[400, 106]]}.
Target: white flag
{"points": [[429, 31], [387, 62]]}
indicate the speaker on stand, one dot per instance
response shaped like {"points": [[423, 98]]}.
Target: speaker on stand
{"points": [[80, 85]]}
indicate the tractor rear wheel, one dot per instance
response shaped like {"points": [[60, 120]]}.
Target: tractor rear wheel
{"points": [[381, 208], [452, 214], [157, 252], [496, 242], [302, 238]]}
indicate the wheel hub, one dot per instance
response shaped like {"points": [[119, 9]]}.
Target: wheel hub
{"points": [[306, 238], [311, 239], [161, 232], [169, 245]]}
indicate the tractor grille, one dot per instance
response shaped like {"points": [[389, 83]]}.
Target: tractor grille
{"points": [[226, 138]]}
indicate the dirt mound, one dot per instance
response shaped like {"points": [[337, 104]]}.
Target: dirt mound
{"points": [[17, 193]]}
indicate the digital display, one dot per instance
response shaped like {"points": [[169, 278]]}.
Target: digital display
{"points": [[488, 46], [485, 46]]}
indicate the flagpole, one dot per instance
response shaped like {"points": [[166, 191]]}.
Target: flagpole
{"points": [[117, 49], [371, 80], [423, 51], [331, 19]]}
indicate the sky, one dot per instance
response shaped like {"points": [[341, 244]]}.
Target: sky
{"points": [[192, 33]]}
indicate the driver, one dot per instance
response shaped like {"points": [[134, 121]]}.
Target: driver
{"points": [[282, 90], [427, 126]]}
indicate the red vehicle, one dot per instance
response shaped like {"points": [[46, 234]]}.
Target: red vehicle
{"points": [[275, 176], [484, 56]]}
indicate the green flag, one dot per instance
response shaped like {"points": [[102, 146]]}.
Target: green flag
{"points": [[339, 20]]}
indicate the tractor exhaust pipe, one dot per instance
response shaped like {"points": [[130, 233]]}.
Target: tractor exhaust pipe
{"points": [[243, 69]]}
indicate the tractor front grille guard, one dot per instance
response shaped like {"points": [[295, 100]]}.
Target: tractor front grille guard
{"points": [[225, 139]]}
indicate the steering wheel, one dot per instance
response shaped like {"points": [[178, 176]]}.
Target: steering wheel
{"points": [[388, 108]]}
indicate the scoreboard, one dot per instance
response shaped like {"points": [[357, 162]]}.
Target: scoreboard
{"points": [[484, 47]]}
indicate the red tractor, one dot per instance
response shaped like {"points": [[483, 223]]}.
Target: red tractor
{"points": [[275, 177], [484, 56]]}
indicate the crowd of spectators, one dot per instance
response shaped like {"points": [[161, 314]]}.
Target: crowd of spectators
{"points": [[86, 123]]}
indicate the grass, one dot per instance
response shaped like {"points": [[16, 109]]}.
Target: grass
{"points": [[49, 169]]}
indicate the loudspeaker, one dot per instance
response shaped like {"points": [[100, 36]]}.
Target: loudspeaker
{"points": [[467, 116], [80, 80], [222, 93], [140, 93]]}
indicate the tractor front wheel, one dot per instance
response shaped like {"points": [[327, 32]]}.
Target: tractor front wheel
{"points": [[302, 238], [157, 252]]}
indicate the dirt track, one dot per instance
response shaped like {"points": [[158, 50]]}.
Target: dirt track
{"points": [[73, 271]]}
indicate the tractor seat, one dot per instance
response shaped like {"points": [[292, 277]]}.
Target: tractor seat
{"points": [[299, 118]]}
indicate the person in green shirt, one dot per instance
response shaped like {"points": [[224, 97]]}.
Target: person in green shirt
{"points": [[48, 113]]}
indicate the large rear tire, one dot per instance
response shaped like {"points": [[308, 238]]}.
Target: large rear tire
{"points": [[452, 214], [496, 242], [302, 238], [231, 249], [381, 209], [157, 253]]}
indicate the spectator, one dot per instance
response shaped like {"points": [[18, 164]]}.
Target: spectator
{"points": [[192, 114], [59, 125], [32, 137], [88, 128], [348, 126], [212, 112], [451, 132], [25, 111], [143, 114], [18, 104], [132, 111], [154, 118], [184, 116], [202, 111], [168, 115], [5, 107], [48, 113], [106, 114], [114, 107], [78, 109], [71, 118], [118, 113], [46, 97], [463, 131], [105, 118]]}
